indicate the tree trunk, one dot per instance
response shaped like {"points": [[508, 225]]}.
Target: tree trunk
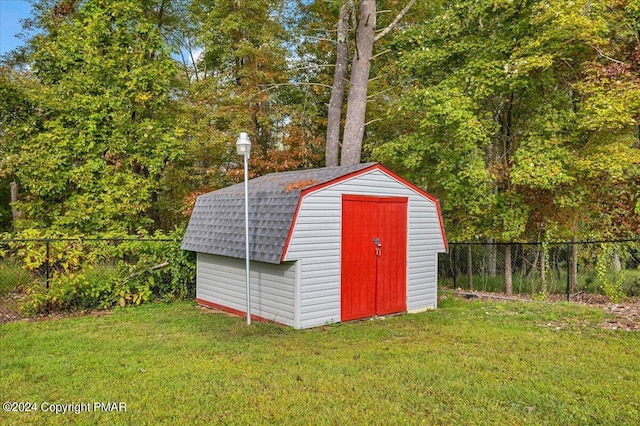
{"points": [[534, 262], [357, 99], [508, 275], [358, 83], [534, 267], [522, 260], [554, 274], [491, 254], [334, 116], [14, 198], [456, 262], [617, 263]]}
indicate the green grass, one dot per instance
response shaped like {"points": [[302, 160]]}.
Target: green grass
{"points": [[464, 363]]}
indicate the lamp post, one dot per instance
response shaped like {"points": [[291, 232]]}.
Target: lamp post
{"points": [[243, 146]]}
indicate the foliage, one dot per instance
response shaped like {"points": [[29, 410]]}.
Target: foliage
{"points": [[91, 152], [611, 286], [500, 93], [620, 285], [521, 117], [75, 291], [12, 276], [243, 80], [103, 273], [464, 363], [610, 269]]}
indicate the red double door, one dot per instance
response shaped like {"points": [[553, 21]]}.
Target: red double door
{"points": [[373, 260]]}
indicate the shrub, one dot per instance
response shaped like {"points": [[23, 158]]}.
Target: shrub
{"points": [[630, 282], [94, 288], [120, 273], [611, 282], [13, 276]]}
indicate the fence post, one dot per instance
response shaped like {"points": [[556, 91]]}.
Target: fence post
{"points": [[469, 267], [47, 269], [454, 264], [568, 271]]}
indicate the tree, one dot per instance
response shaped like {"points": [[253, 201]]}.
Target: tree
{"points": [[245, 83], [611, 112], [101, 94], [334, 113], [358, 83], [504, 127], [365, 16], [499, 81], [18, 120]]}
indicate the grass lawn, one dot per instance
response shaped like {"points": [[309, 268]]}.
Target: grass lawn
{"points": [[465, 363]]}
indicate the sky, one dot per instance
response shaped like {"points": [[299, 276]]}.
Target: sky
{"points": [[11, 11]]}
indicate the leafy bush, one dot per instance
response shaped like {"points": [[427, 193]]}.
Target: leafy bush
{"points": [[107, 286], [94, 288], [611, 282], [101, 273], [630, 282]]}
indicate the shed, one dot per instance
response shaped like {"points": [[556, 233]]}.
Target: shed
{"points": [[326, 245]]}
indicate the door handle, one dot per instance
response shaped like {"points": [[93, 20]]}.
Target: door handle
{"points": [[378, 244]]}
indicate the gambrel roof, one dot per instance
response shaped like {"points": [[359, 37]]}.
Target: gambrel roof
{"points": [[217, 222]]}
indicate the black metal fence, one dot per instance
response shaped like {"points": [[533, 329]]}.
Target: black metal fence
{"points": [[25, 261], [45, 275], [610, 268]]}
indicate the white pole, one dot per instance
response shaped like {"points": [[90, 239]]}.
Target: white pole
{"points": [[246, 234]]}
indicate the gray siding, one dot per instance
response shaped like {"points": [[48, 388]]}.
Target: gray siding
{"points": [[316, 239], [422, 292], [222, 280]]}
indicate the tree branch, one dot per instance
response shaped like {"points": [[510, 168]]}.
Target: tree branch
{"points": [[604, 55], [397, 19], [380, 54], [372, 121], [378, 94], [275, 86]]}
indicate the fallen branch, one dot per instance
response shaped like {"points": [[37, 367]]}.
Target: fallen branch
{"points": [[467, 295], [153, 268]]}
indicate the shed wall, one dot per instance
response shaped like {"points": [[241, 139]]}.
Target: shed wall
{"points": [[221, 280], [316, 239]]}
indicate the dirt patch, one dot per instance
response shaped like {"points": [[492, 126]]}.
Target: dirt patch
{"points": [[212, 310], [624, 315]]}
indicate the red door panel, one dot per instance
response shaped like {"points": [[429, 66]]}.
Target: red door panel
{"points": [[358, 271], [373, 270], [391, 277]]}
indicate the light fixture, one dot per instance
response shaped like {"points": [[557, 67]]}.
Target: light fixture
{"points": [[243, 146]]}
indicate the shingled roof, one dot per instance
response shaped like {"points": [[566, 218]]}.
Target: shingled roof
{"points": [[217, 222]]}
